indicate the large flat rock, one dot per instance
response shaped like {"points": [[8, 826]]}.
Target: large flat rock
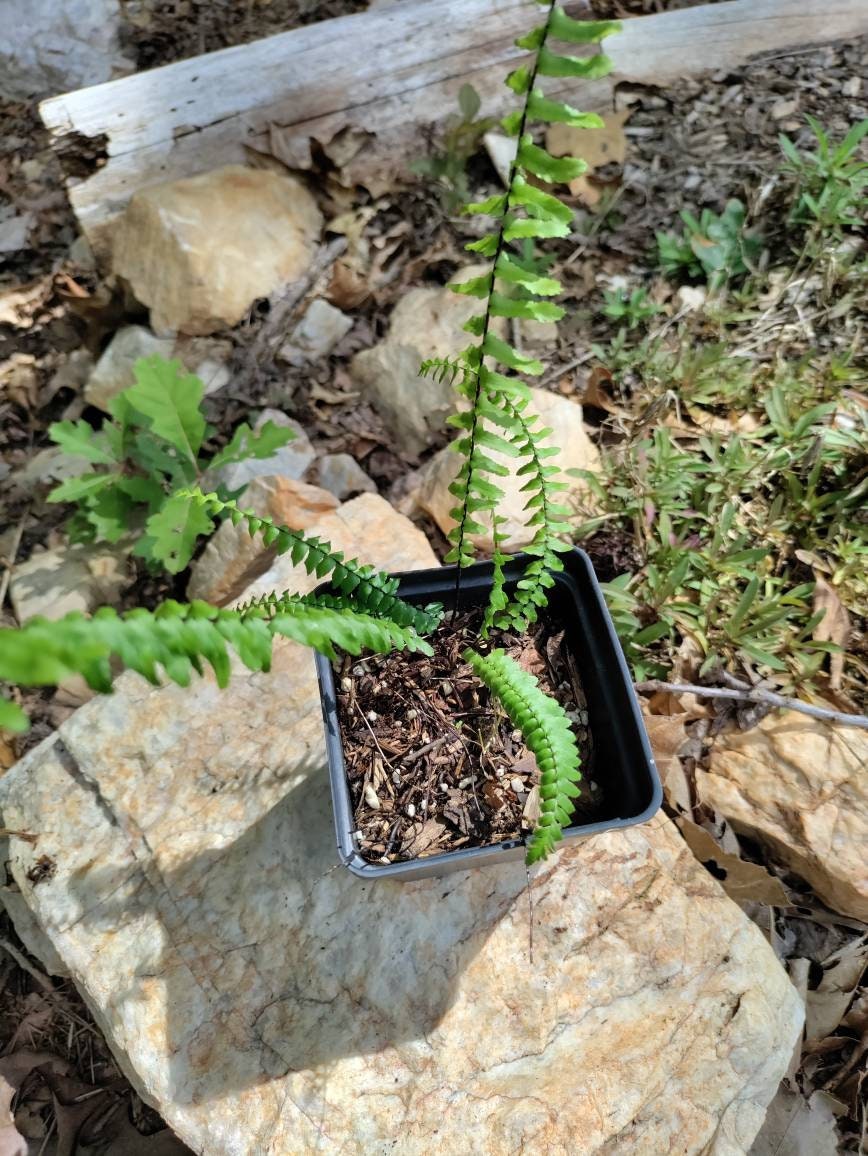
{"points": [[268, 1002]]}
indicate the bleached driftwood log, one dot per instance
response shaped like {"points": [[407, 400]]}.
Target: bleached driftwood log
{"points": [[378, 78]]}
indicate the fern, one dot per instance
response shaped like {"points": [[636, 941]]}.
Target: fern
{"points": [[174, 641], [547, 732], [363, 587], [484, 373]]}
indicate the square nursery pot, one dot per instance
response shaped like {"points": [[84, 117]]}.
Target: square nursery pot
{"points": [[622, 762]]}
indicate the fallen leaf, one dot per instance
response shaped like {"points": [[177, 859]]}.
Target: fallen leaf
{"points": [[14, 1070], [828, 1004], [423, 838], [742, 881], [796, 1126], [667, 736], [834, 626], [597, 146], [597, 392], [18, 305]]}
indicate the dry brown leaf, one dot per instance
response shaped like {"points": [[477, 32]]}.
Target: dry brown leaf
{"points": [[667, 736], [834, 626], [423, 838], [597, 394], [18, 305], [796, 1126], [597, 146], [828, 1004], [14, 1070], [8, 758], [745, 882]]}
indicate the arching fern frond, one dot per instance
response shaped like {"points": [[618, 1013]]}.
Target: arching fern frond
{"points": [[485, 372], [176, 640], [366, 588], [547, 732]]}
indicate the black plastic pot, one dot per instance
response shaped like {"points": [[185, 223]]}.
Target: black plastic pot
{"points": [[623, 765]]}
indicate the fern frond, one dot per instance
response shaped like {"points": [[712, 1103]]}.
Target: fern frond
{"points": [[175, 640], [546, 730], [514, 289], [370, 590]]}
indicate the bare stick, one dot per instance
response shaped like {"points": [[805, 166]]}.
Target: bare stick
{"points": [[274, 329], [8, 563], [761, 696], [24, 963]]}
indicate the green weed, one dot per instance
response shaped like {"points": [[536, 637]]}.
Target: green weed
{"points": [[717, 246], [148, 451], [462, 135]]}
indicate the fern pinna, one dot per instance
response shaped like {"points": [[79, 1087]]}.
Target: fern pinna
{"points": [[497, 417]]}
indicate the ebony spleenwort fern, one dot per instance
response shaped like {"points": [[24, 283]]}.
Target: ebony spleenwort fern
{"points": [[547, 732], [178, 638], [496, 419]]}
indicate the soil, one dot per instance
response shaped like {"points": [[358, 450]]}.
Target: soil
{"points": [[161, 31], [438, 766]]}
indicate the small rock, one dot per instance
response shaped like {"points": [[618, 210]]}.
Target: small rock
{"points": [[782, 109], [45, 467], [852, 87], [114, 370], [55, 582], [14, 232], [425, 323], [691, 297], [233, 559], [501, 151], [290, 461], [208, 358], [428, 488], [371, 797], [366, 527], [200, 251], [342, 476], [799, 785], [316, 335], [49, 47]]}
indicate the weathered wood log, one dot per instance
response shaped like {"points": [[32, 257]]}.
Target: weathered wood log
{"points": [[377, 78]]}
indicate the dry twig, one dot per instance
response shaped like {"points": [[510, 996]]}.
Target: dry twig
{"points": [[757, 695]]}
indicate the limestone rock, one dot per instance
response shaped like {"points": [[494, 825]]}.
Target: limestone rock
{"points": [[55, 582], [49, 47], [342, 476], [208, 358], [799, 785], [263, 1000], [316, 335], [113, 372], [425, 323], [200, 251], [428, 489], [233, 559], [367, 528], [290, 461]]}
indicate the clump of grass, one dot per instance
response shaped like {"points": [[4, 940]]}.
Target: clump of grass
{"points": [[723, 522], [740, 465]]}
